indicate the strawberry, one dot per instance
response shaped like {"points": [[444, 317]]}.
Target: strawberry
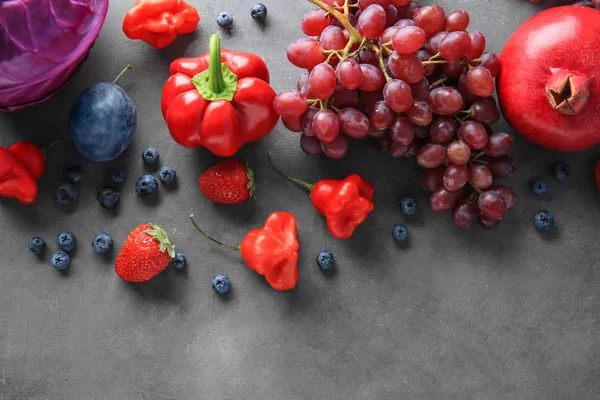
{"points": [[228, 182], [145, 253]]}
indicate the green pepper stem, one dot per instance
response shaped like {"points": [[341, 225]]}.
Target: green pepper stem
{"points": [[210, 237], [216, 81], [127, 68], [303, 184]]}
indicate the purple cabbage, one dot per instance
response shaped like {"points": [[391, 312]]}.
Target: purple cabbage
{"points": [[42, 43]]}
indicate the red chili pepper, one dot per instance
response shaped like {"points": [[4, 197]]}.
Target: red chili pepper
{"points": [[16, 181], [344, 203], [30, 156], [158, 22], [271, 251], [220, 100], [597, 173]]}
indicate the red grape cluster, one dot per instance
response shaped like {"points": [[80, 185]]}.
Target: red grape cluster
{"points": [[410, 78]]}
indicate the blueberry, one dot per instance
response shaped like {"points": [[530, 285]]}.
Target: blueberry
{"points": [[543, 220], [60, 260], [221, 283], [117, 175], [74, 174], [66, 194], [408, 205], [539, 187], [225, 19], [258, 11], [66, 241], [102, 122], [150, 155], [167, 175], [400, 232], [179, 261], [102, 243], [37, 245], [326, 261], [562, 171], [146, 186], [108, 197]]}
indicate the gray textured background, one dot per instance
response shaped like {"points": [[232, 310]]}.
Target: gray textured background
{"points": [[509, 314]]}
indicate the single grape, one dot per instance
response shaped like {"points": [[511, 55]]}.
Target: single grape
{"points": [[457, 20], [336, 149], [422, 131], [445, 100], [431, 19], [464, 90], [333, 38], [290, 103], [291, 123], [455, 45], [381, 116], [491, 62], [407, 67], [453, 69], [397, 149], [428, 69], [326, 125], [314, 22], [499, 144], [501, 167], [487, 223], [391, 14], [443, 200], [442, 130], [306, 121], [464, 214], [455, 177], [400, 3], [409, 39], [492, 205], [508, 195], [473, 134], [305, 53], [459, 152], [480, 81], [322, 81], [408, 10], [431, 155], [415, 147], [302, 80], [349, 74], [477, 46], [307, 92], [420, 113], [485, 112], [432, 44], [371, 21], [402, 131], [310, 145], [354, 123], [343, 98], [382, 134], [367, 56], [366, 100], [362, 4], [432, 178], [480, 176], [420, 90], [401, 23], [372, 78], [397, 95], [387, 35]]}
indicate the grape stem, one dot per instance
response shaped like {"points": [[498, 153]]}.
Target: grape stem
{"points": [[355, 37], [438, 82], [298, 182]]}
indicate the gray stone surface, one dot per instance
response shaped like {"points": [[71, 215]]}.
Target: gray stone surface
{"points": [[509, 314]]}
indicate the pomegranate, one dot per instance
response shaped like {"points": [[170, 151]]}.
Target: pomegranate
{"points": [[549, 80]]}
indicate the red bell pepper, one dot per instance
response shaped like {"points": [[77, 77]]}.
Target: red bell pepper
{"points": [[271, 251], [30, 156], [16, 182], [158, 22], [344, 203], [220, 100]]}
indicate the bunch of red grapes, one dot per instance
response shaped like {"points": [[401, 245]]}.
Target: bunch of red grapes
{"points": [[411, 79], [586, 3]]}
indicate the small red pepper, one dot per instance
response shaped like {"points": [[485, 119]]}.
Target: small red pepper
{"points": [[158, 22], [16, 182], [597, 173], [30, 156], [344, 203], [220, 100], [271, 251]]}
